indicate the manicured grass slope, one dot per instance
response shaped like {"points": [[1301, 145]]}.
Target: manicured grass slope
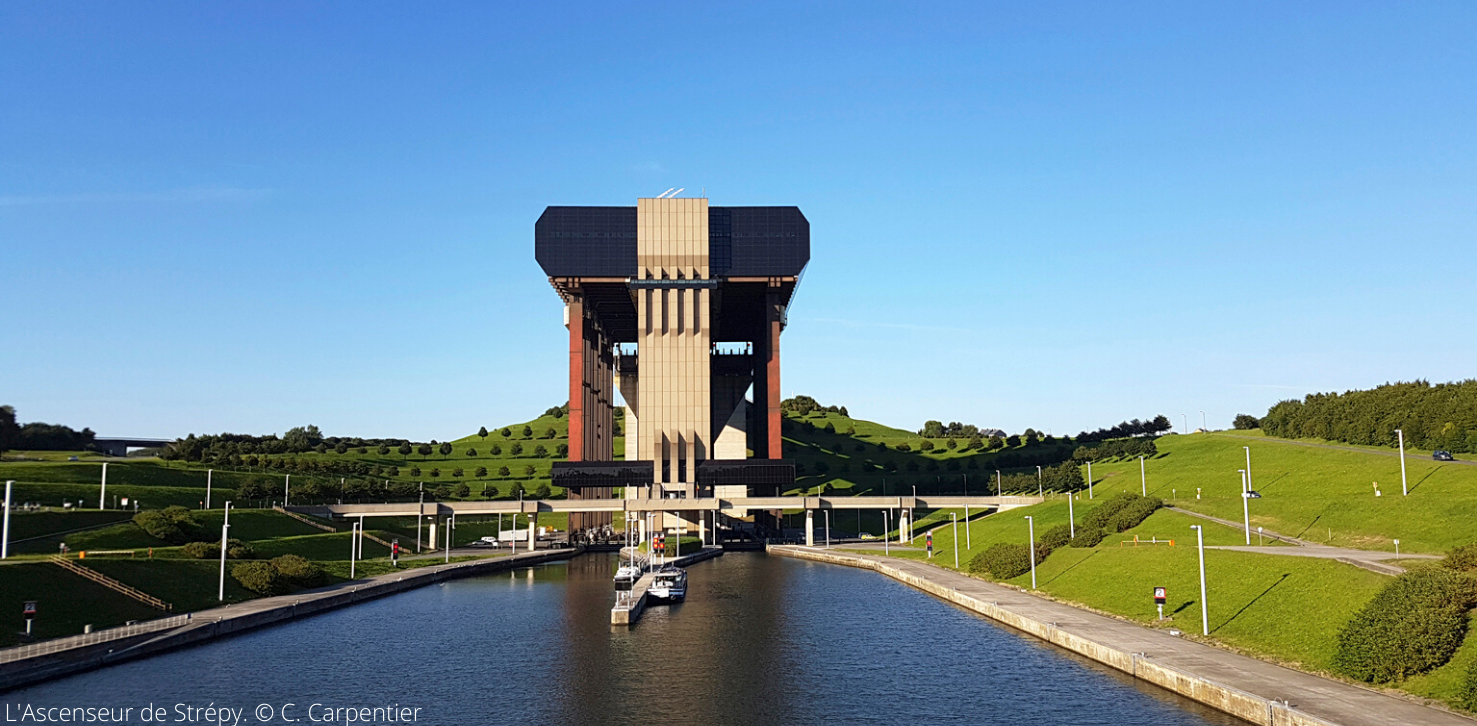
{"points": [[1308, 491]]}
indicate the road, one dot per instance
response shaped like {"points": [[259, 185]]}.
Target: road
{"points": [[1372, 560]]}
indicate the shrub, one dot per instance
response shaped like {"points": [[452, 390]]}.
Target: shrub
{"points": [[1467, 696], [174, 525], [1413, 625], [1133, 514], [297, 571], [1087, 537], [258, 577], [1055, 537], [238, 550], [1002, 561], [202, 550], [1463, 558]]}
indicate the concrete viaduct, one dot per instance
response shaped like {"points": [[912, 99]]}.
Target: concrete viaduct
{"points": [[120, 446]]}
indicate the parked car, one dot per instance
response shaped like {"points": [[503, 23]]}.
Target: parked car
{"points": [[1253, 494], [1442, 456], [487, 542]]}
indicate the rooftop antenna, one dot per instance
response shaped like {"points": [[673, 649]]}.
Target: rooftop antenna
{"points": [[665, 193]]}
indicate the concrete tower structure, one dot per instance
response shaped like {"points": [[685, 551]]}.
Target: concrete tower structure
{"points": [[680, 306]]}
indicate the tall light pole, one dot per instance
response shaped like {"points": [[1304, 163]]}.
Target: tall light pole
{"points": [[447, 539], [1071, 518], [286, 490], [102, 495], [1031, 523], [353, 548], [886, 527], [225, 527], [1202, 422], [968, 543], [1204, 607], [1248, 467], [420, 516], [954, 519], [209, 473], [1246, 503], [828, 531], [1186, 419], [1089, 480], [1039, 491], [1404, 492], [5, 537], [997, 484], [1143, 479]]}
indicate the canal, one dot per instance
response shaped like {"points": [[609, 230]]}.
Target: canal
{"points": [[760, 640]]}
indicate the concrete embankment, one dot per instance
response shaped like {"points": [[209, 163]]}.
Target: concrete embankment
{"points": [[630, 605], [1250, 689], [221, 622]]}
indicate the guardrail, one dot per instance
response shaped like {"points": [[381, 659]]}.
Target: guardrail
{"points": [[304, 520], [110, 583], [57, 645]]}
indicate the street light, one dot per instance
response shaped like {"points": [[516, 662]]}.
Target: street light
{"points": [[886, 526], [1204, 607], [1246, 502], [1187, 422], [225, 527], [1071, 518], [1404, 492], [5, 537], [954, 519], [1202, 422], [1143, 479], [1039, 491], [828, 531], [1031, 523], [997, 483], [1248, 467]]}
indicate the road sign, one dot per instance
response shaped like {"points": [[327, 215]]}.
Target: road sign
{"points": [[30, 609], [1160, 595]]}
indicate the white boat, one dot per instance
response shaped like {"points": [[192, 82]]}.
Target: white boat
{"points": [[627, 575], [670, 584]]}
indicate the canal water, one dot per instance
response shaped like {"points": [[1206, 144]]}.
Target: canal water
{"points": [[760, 640]]}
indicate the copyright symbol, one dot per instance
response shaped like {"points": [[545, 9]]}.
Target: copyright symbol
{"points": [[265, 712]]}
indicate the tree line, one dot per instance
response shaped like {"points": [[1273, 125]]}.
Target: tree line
{"points": [[40, 436], [1153, 427], [1440, 416]]}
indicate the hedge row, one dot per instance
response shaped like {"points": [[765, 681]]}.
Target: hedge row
{"points": [[1467, 698], [1121, 512], [235, 549], [1413, 625]]}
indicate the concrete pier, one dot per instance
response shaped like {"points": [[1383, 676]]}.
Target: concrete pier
{"points": [[1257, 691], [630, 605]]}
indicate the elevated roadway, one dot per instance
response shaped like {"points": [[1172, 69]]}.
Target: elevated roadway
{"points": [[734, 507]]}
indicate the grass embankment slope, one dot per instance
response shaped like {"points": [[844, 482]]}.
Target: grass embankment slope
{"points": [[1312, 492]]}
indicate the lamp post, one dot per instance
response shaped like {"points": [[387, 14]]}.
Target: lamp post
{"points": [[1143, 479], [1397, 550], [225, 527], [1187, 422], [1071, 518], [5, 536], [997, 484], [968, 543], [420, 516], [828, 531], [1039, 491], [447, 539], [209, 473], [1202, 422], [1248, 467], [1204, 607], [353, 548], [1089, 480], [286, 490], [1404, 492], [1246, 502], [886, 527], [1031, 523], [954, 519], [102, 495]]}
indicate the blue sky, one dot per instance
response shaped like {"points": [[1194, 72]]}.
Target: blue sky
{"points": [[249, 216]]}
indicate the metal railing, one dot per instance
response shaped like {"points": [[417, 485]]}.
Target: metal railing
{"points": [[57, 645]]}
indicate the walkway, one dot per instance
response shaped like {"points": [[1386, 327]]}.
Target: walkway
{"points": [[1243, 686], [1372, 560]]}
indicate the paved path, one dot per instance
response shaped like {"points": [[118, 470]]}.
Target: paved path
{"points": [[1332, 701], [1372, 560]]}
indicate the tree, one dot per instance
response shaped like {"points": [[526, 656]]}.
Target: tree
{"points": [[502, 471], [496, 450], [301, 438], [506, 432], [1246, 421], [529, 470], [830, 428], [540, 451], [952, 444], [482, 433], [551, 433], [9, 430], [457, 472], [321, 448], [516, 449], [481, 472], [462, 490], [926, 445], [435, 472], [490, 491], [932, 430], [562, 451], [471, 452], [527, 431], [445, 449], [415, 471], [516, 490], [424, 450], [542, 491], [404, 449]]}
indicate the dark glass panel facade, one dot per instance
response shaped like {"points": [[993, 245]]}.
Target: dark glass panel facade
{"points": [[742, 241]]}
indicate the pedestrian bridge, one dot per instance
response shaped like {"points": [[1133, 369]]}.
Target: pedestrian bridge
{"points": [[737, 506]]}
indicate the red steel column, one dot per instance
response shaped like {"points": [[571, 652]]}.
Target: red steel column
{"points": [[576, 379], [772, 396]]}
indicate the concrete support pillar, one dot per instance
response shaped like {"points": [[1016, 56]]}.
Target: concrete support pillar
{"points": [[575, 320], [702, 527], [532, 533], [904, 527], [809, 528], [431, 533]]}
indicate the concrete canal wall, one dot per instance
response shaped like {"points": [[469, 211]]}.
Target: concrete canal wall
{"points": [[208, 625], [1253, 690]]}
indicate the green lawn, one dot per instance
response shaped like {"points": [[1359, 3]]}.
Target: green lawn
{"points": [[1311, 492], [64, 602]]}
